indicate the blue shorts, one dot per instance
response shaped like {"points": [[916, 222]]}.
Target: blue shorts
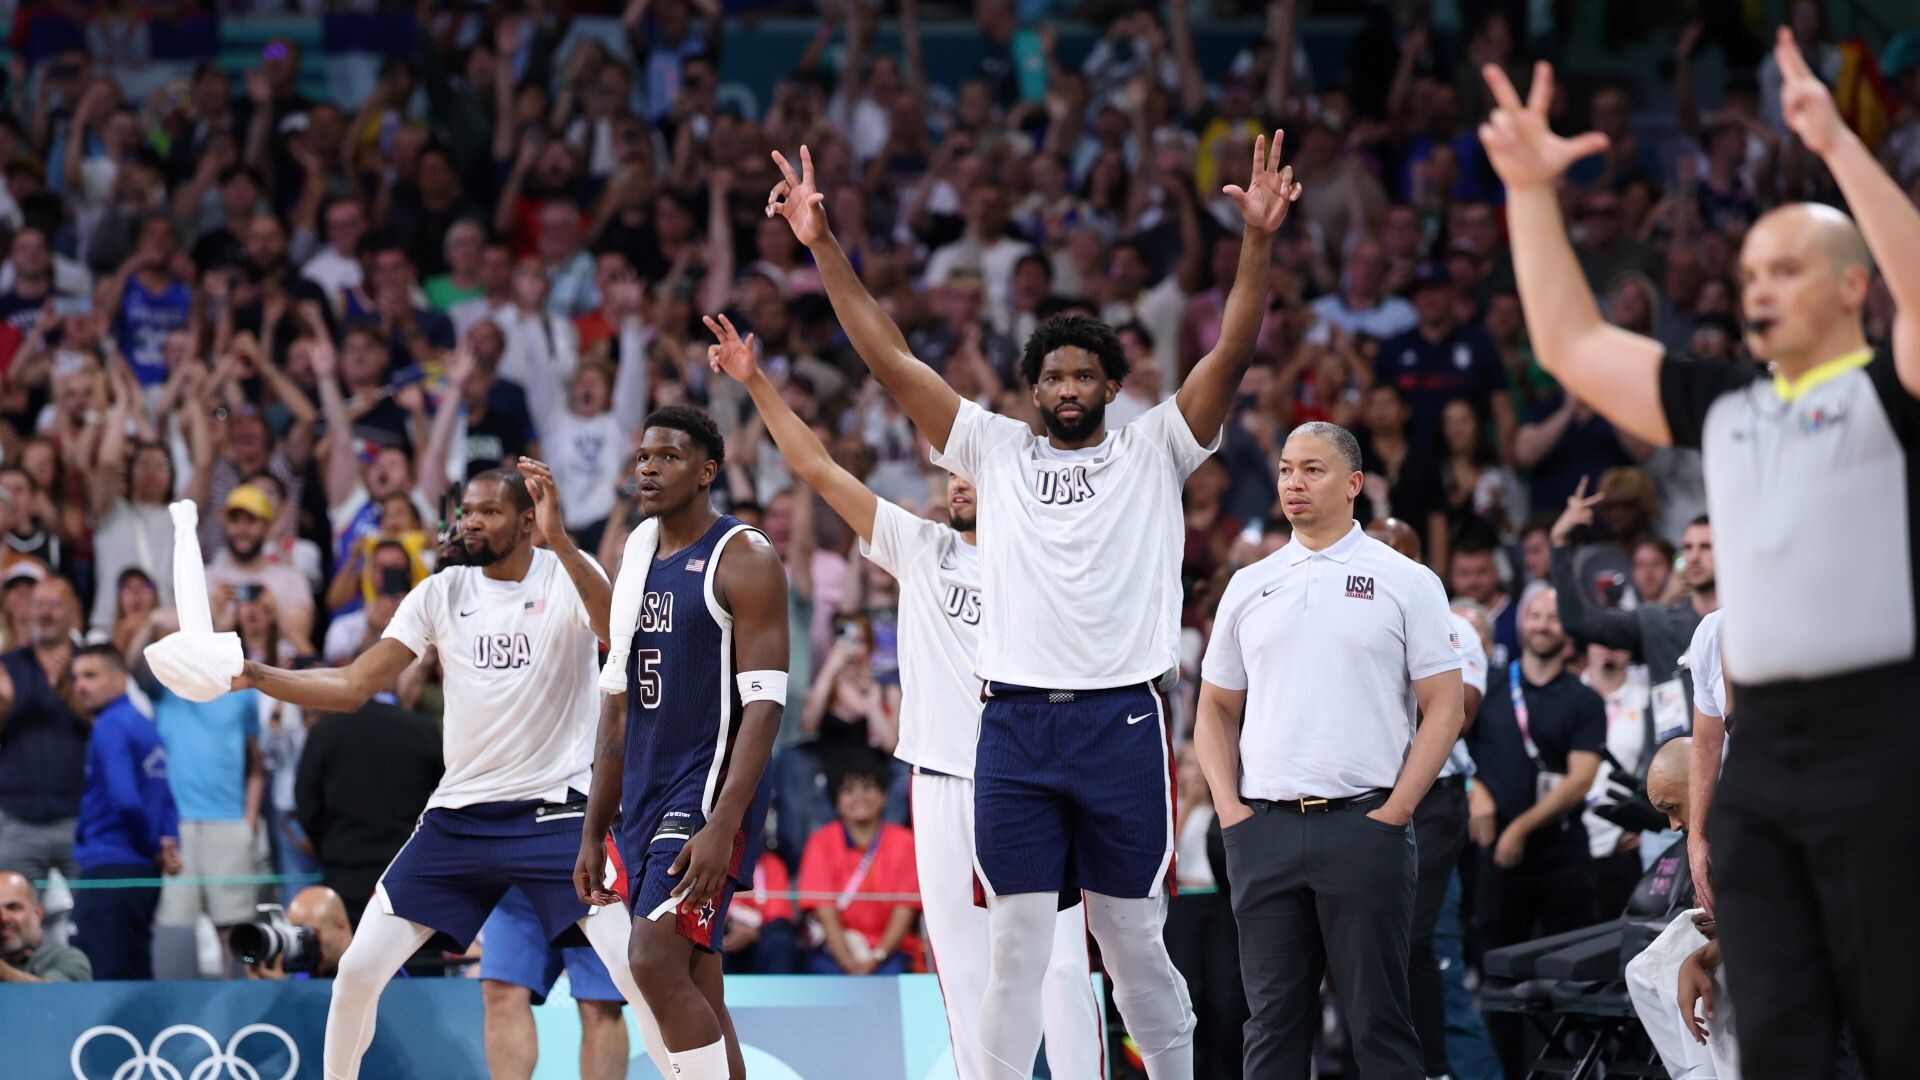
{"points": [[647, 846], [1073, 790], [459, 863], [515, 950]]}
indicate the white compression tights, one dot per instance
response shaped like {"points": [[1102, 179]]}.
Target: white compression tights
{"points": [[1149, 990], [384, 942]]}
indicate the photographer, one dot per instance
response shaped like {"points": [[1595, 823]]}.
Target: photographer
{"points": [[316, 927]]}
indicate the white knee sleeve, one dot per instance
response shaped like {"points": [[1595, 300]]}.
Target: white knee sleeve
{"points": [[381, 944], [1020, 928], [1147, 988]]}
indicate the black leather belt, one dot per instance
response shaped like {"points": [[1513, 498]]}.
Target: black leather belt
{"points": [[1450, 783], [1323, 806]]}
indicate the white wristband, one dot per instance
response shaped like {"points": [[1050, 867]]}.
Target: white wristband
{"points": [[762, 686]]}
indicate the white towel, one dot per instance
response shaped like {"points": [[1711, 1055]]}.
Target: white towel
{"points": [[195, 663], [629, 592]]}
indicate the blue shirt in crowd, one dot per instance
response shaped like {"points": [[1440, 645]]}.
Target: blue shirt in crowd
{"points": [[127, 806], [208, 746]]}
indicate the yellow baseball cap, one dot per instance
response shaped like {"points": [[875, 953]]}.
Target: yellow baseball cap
{"points": [[251, 500]]}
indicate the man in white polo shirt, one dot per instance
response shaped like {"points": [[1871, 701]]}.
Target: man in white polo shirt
{"points": [[1330, 698]]}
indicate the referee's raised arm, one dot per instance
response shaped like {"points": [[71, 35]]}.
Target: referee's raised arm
{"points": [[1613, 370]]}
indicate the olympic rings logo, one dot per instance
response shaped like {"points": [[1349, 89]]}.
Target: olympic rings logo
{"points": [[219, 1065]]}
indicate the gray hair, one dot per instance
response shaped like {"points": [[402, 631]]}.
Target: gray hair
{"points": [[1532, 590], [1344, 444]]}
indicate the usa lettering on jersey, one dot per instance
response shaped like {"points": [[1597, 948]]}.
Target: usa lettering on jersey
{"points": [[962, 603], [656, 613], [502, 651], [1063, 487]]}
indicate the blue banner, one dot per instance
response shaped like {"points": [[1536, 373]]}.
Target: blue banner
{"points": [[792, 1027]]}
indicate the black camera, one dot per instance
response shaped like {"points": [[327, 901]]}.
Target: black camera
{"points": [[271, 937]]}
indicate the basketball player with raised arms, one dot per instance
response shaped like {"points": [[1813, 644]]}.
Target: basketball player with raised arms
{"points": [[1081, 536], [516, 628], [682, 752], [938, 569]]}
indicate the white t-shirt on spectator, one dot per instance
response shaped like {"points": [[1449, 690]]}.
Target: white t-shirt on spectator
{"points": [[334, 273], [1159, 310], [520, 659], [590, 455], [992, 261], [1080, 549], [1389, 317]]}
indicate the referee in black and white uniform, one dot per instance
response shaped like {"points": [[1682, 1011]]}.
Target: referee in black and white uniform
{"points": [[1324, 657], [1814, 489]]}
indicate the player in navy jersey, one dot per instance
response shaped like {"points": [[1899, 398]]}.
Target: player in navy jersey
{"points": [[686, 745]]}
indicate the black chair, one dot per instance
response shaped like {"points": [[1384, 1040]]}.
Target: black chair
{"points": [[1572, 989]]}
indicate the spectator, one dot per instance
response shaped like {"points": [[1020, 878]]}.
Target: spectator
{"points": [[983, 248], [128, 827], [1566, 445], [25, 955], [44, 750], [415, 333], [495, 297], [363, 779], [1473, 571], [759, 935], [1402, 481], [132, 482], [1202, 938], [424, 213], [1440, 359], [148, 299], [242, 568], [459, 279], [336, 267], [571, 291], [216, 771], [1362, 305], [861, 854]]}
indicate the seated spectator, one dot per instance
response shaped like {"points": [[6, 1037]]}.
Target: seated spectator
{"points": [[759, 934], [861, 854], [25, 957], [321, 910], [128, 827]]}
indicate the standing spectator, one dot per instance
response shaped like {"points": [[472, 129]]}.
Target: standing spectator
{"points": [[43, 745], [985, 249], [861, 853], [664, 43], [244, 563], [362, 781], [148, 299], [1317, 764], [1537, 747], [1439, 360], [128, 827], [128, 492], [215, 769], [25, 956], [1362, 306], [1566, 445], [336, 267], [422, 214], [571, 291]]}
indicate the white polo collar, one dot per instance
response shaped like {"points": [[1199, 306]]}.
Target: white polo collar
{"points": [[1340, 551]]}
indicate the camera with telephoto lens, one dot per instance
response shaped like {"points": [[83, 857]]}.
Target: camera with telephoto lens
{"points": [[271, 937]]}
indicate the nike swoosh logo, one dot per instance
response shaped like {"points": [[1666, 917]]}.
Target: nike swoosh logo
{"points": [[464, 614], [1137, 719], [1271, 589]]}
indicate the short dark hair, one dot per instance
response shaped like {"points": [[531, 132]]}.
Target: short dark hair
{"points": [[1539, 522], [857, 763], [1137, 329], [1034, 257], [1658, 543], [107, 654], [513, 483], [1074, 331], [1701, 520], [697, 425], [1476, 538]]}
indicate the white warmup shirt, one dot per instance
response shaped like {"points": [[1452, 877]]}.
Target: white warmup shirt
{"points": [[1080, 549], [939, 576], [1473, 676], [1703, 659], [1327, 646], [520, 659]]}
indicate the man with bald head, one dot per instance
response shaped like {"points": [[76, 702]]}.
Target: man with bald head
{"points": [[1814, 491], [321, 910], [25, 956]]}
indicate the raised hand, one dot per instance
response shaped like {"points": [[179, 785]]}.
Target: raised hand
{"points": [[1271, 192], [1805, 102], [797, 199], [1579, 512], [1523, 148], [322, 358], [734, 354], [546, 500]]}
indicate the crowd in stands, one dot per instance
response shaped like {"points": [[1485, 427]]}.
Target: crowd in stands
{"points": [[315, 318]]}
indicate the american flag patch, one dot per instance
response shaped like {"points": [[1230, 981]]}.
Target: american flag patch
{"points": [[535, 607], [1454, 640], [694, 566]]}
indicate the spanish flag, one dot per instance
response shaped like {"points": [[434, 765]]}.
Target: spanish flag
{"points": [[1867, 102]]}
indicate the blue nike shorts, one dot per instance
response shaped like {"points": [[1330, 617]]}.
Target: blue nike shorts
{"points": [[514, 950]]}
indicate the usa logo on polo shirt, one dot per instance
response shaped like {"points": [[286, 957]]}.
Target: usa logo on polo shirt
{"points": [[1359, 587]]}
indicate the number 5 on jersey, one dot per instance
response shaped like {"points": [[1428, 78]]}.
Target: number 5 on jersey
{"points": [[644, 661]]}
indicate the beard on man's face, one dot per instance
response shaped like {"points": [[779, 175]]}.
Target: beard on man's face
{"points": [[962, 524], [1092, 415], [244, 550], [483, 553]]}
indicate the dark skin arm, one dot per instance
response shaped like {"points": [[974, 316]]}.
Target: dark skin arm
{"points": [[330, 689], [753, 587], [603, 800], [596, 592]]}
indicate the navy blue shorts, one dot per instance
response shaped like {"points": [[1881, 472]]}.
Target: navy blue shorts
{"points": [[515, 950], [1074, 790], [647, 846], [459, 863]]}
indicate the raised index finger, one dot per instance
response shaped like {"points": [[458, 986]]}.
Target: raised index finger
{"points": [[1503, 92], [786, 170], [1786, 53]]}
